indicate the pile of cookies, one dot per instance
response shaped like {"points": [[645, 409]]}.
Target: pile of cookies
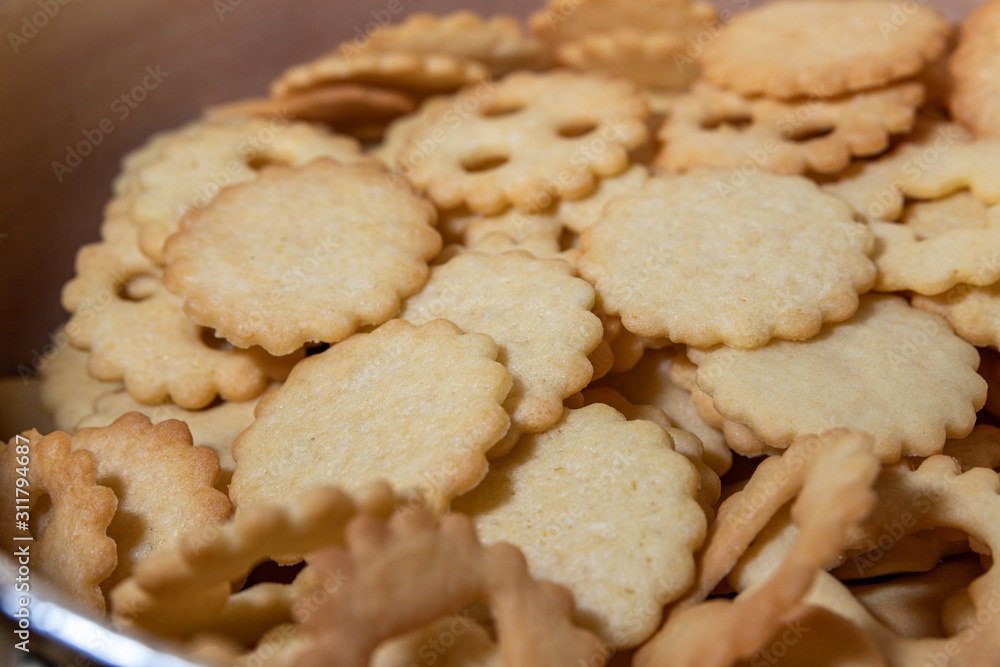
{"points": [[653, 334]]}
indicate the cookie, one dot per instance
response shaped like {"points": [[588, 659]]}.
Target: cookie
{"points": [[973, 312], [519, 142], [402, 574], [713, 127], [538, 313], [891, 370], [185, 588], [932, 261], [164, 484], [301, 255], [656, 59], [567, 498], [67, 391], [416, 406], [497, 42], [59, 516], [188, 167], [825, 507], [705, 258], [786, 49], [650, 382]]}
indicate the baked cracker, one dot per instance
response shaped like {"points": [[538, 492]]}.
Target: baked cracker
{"points": [[416, 406], [569, 497], [705, 258], [890, 370]]}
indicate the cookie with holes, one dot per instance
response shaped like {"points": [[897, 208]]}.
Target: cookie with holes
{"points": [[526, 141], [135, 331], [714, 127], [185, 169]]}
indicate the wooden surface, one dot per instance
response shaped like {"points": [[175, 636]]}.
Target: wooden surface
{"points": [[68, 76]]}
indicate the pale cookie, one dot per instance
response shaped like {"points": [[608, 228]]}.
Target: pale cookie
{"points": [[891, 370], [137, 332], [973, 312], [926, 263], [416, 406], [401, 574], [580, 214], [67, 391], [66, 542], [650, 382], [301, 255], [834, 496], [570, 497], [707, 258], [164, 484], [151, 345], [561, 21], [787, 49], [498, 42], [714, 127], [961, 210], [654, 59], [685, 443], [108, 268], [538, 313], [397, 134], [186, 588], [526, 141], [214, 427], [189, 167], [975, 101], [411, 72], [941, 161]]}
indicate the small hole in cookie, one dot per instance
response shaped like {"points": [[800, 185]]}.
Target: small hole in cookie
{"points": [[138, 288], [574, 130], [501, 109], [485, 163], [212, 341], [734, 121], [808, 133]]}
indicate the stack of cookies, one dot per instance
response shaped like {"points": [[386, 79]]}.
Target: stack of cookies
{"points": [[440, 354]]}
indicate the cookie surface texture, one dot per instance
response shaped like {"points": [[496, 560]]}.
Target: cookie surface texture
{"points": [[415, 406], [703, 261]]}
